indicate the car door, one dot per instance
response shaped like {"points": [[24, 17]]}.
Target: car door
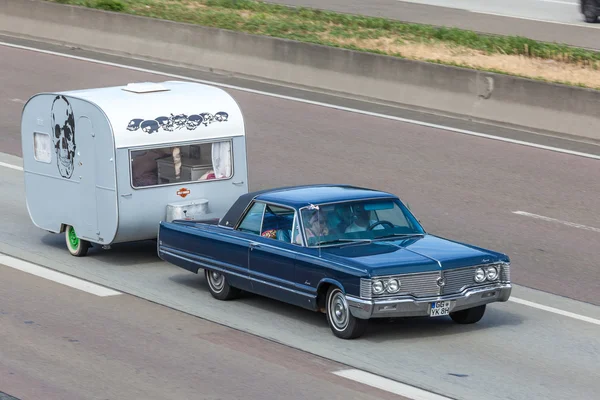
{"points": [[271, 258]]}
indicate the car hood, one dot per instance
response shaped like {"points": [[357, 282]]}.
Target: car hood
{"points": [[418, 254]]}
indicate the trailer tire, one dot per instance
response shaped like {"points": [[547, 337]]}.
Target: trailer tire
{"points": [[77, 247]]}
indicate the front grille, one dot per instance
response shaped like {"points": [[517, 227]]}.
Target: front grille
{"points": [[426, 284], [419, 285], [505, 274], [365, 288]]}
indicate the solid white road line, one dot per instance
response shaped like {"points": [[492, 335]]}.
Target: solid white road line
{"points": [[569, 3], [11, 166], [388, 385], [57, 277], [567, 223], [555, 310], [353, 110]]}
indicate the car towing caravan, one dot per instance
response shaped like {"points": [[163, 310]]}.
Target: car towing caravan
{"points": [[106, 165]]}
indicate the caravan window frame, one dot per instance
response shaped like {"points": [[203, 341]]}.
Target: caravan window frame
{"points": [[174, 144]]}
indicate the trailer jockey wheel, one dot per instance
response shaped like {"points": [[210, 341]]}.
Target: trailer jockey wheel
{"points": [[77, 247]]}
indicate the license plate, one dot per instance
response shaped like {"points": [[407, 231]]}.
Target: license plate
{"points": [[439, 308]]}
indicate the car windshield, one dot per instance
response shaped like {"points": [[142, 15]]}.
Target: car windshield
{"points": [[357, 221]]}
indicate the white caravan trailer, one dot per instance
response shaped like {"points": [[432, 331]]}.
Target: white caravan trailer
{"points": [[106, 165]]}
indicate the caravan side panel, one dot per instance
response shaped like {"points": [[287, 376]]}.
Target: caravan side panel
{"points": [[64, 150]]}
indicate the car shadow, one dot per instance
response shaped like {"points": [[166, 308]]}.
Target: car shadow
{"points": [[257, 302], [130, 253], [379, 329]]}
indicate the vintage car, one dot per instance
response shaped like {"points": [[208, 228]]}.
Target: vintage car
{"points": [[352, 253]]}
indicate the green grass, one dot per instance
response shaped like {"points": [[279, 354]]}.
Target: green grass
{"points": [[339, 30]]}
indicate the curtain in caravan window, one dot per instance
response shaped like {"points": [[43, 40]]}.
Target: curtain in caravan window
{"points": [[221, 159]]}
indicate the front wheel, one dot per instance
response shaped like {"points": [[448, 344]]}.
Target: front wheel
{"points": [[341, 321], [468, 316], [219, 287], [77, 247]]}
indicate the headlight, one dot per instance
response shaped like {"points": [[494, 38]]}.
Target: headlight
{"points": [[491, 273], [393, 285], [377, 287], [479, 275]]}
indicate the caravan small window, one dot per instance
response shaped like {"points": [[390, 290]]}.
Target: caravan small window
{"points": [[42, 147], [181, 164]]}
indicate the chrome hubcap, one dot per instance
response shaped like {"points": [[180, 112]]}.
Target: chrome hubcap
{"points": [[338, 311], [217, 281]]}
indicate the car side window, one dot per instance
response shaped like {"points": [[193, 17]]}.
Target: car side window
{"points": [[277, 223], [253, 219]]}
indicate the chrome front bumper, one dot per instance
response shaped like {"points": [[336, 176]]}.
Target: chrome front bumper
{"points": [[407, 306]]}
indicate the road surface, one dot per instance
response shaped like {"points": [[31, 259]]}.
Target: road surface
{"points": [[62, 343]]}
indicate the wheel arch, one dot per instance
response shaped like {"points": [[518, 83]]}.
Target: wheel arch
{"points": [[323, 288]]}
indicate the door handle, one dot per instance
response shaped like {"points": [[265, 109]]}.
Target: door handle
{"points": [[126, 195], [238, 183], [253, 245]]}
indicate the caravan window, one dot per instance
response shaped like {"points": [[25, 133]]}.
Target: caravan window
{"points": [[42, 147], [181, 164]]}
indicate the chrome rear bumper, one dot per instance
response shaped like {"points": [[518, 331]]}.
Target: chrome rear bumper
{"points": [[413, 307]]}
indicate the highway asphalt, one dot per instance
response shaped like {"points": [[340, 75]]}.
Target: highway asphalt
{"points": [[463, 187], [62, 343], [546, 20]]}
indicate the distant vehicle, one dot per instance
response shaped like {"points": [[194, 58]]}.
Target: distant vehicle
{"points": [[590, 10], [105, 165], [352, 253]]}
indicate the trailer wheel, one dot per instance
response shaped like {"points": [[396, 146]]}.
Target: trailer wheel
{"points": [[77, 247]]}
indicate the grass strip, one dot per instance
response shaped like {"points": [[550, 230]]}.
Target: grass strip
{"points": [[370, 34]]}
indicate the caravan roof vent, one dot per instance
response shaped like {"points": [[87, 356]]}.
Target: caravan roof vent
{"points": [[145, 87]]}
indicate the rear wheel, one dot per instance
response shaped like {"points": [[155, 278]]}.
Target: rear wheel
{"points": [[468, 316], [219, 287], [77, 247], [341, 321], [590, 11]]}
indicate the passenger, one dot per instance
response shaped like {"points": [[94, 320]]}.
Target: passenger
{"points": [[316, 226]]}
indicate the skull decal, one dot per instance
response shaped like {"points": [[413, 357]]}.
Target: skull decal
{"points": [[165, 123], [179, 120], [149, 126], [221, 116], [193, 122], [63, 123], [176, 122], [207, 118], [134, 124]]}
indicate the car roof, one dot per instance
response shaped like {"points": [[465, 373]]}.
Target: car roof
{"points": [[300, 196]]}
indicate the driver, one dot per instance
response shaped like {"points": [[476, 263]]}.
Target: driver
{"points": [[362, 220]]}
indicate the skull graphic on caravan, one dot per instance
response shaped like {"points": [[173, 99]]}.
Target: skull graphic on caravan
{"points": [[106, 165]]}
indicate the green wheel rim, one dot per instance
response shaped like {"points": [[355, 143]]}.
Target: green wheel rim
{"points": [[73, 239]]}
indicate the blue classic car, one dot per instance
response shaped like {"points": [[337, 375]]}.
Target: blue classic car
{"points": [[349, 252]]}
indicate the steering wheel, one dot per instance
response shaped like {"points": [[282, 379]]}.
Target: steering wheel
{"points": [[382, 222]]}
